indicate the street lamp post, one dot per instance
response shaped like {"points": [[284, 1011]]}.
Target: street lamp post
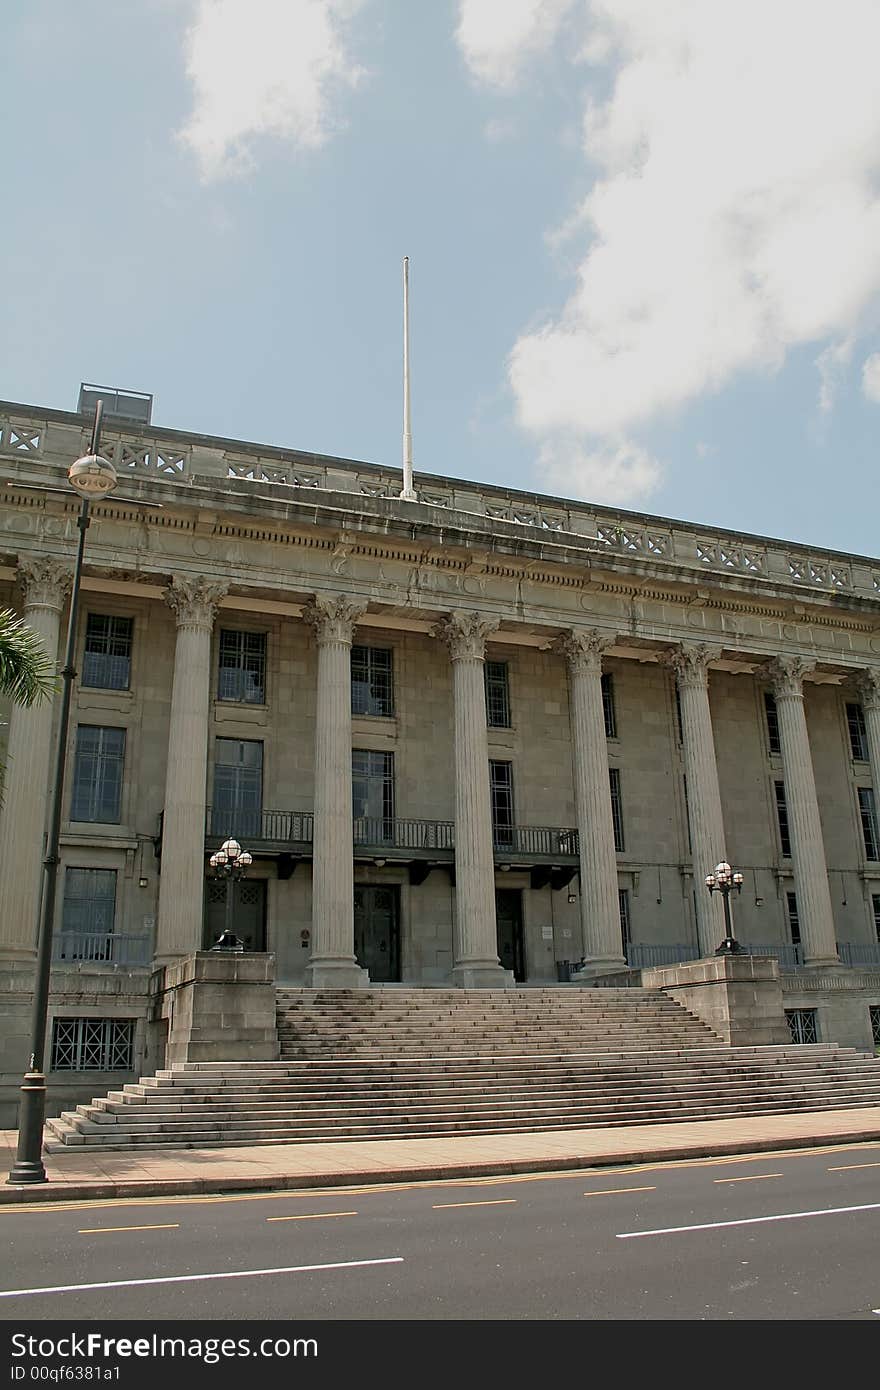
{"points": [[724, 881], [93, 477], [231, 863]]}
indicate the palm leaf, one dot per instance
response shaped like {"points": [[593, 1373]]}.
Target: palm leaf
{"points": [[27, 674]]}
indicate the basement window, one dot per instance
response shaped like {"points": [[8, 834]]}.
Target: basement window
{"points": [[802, 1025], [92, 1044]]}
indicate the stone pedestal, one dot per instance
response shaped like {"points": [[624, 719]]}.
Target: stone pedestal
{"points": [[739, 996], [220, 1008]]}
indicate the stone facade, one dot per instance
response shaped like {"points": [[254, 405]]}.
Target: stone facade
{"points": [[636, 656]]}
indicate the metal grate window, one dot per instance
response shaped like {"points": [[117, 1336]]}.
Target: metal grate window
{"points": [[372, 681], [238, 787], [868, 813], [874, 1015], [497, 677], [802, 1025], [625, 924], [794, 921], [97, 774], [608, 709], [92, 1044], [782, 818], [616, 808], [772, 722], [858, 733], [501, 792], [242, 673], [107, 653]]}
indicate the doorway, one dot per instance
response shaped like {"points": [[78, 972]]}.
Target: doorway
{"points": [[248, 912], [509, 919], [377, 933]]}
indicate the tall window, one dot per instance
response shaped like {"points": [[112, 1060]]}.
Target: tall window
{"points": [[875, 907], [868, 812], [608, 706], [89, 901], [372, 794], [625, 924], [97, 774], [794, 921], [616, 808], [497, 679], [372, 680], [107, 654], [242, 674], [858, 734], [501, 791], [782, 818], [772, 722], [238, 787]]}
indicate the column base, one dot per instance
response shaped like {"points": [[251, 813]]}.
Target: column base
{"points": [[482, 975], [336, 974], [823, 963]]}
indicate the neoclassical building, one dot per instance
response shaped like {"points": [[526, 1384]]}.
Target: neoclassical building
{"points": [[485, 737]]}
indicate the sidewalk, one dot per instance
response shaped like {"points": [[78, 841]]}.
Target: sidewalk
{"points": [[84, 1173]]}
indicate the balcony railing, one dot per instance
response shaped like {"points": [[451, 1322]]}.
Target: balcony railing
{"points": [[859, 953], [100, 948], [646, 954], [535, 839], [790, 957], [404, 834], [252, 827]]}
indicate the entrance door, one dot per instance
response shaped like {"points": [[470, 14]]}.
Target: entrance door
{"points": [[377, 933], [248, 912], [508, 915]]}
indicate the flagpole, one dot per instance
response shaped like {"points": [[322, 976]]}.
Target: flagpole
{"points": [[408, 493]]}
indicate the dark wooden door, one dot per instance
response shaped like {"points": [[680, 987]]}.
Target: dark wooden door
{"points": [[377, 933], [248, 912], [508, 916]]}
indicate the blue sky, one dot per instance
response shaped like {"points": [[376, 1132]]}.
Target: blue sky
{"points": [[644, 240]]}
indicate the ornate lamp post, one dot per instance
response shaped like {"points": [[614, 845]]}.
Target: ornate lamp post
{"points": [[93, 477], [723, 881], [231, 863]]}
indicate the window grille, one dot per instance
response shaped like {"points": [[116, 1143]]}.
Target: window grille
{"points": [[608, 707], [794, 921], [802, 1025], [242, 673], [625, 924], [97, 774], [772, 722], [868, 813], [616, 808], [92, 1044], [858, 733], [238, 787], [372, 681], [497, 677], [107, 653], [501, 791], [782, 817], [874, 1015]]}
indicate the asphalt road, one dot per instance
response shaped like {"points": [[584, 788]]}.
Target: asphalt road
{"points": [[769, 1237]]}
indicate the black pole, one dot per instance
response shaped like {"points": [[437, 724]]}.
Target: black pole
{"points": [[728, 947], [230, 889]]}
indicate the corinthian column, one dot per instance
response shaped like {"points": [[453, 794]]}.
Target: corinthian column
{"points": [[600, 905], [691, 666], [476, 963], [805, 828], [332, 962], [868, 686], [182, 880], [45, 584]]}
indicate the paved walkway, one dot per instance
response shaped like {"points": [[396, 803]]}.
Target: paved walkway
{"points": [[85, 1173]]}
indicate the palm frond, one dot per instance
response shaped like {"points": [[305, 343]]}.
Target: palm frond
{"points": [[27, 674]]}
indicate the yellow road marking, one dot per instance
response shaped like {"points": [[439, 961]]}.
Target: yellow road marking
{"points": [[612, 1191], [499, 1202], [848, 1167], [101, 1230], [753, 1177], [312, 1216]]}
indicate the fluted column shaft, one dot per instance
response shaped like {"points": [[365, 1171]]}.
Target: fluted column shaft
{"points": [[869, 689], [815, 913], [332, 960], [600, 904], [706, 821], [476, 961], [45, 585], [182, 879]]}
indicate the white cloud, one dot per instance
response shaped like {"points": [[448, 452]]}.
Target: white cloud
{"points": [[612, 472], [264, 68], [871, 377], [735, 214], [497, 37], [832, 362]]}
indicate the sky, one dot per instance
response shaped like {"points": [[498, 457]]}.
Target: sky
{"points": [[644, 239]]}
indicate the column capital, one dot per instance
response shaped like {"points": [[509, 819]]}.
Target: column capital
{"points": [[333, 617], [583, 648], [690, 662], [44, 581], [194, 600], [465, 634], [786, 674], [867, 683]]}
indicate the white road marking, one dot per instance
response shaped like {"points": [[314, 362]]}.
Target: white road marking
{"points": [[103, 1230], [497, 1202], [752, 1177], [613, 1191], [311, 1216], [748, 1221], [194, 1278]]}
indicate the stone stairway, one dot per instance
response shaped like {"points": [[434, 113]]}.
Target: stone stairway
{"points": [[425, 1063]]}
